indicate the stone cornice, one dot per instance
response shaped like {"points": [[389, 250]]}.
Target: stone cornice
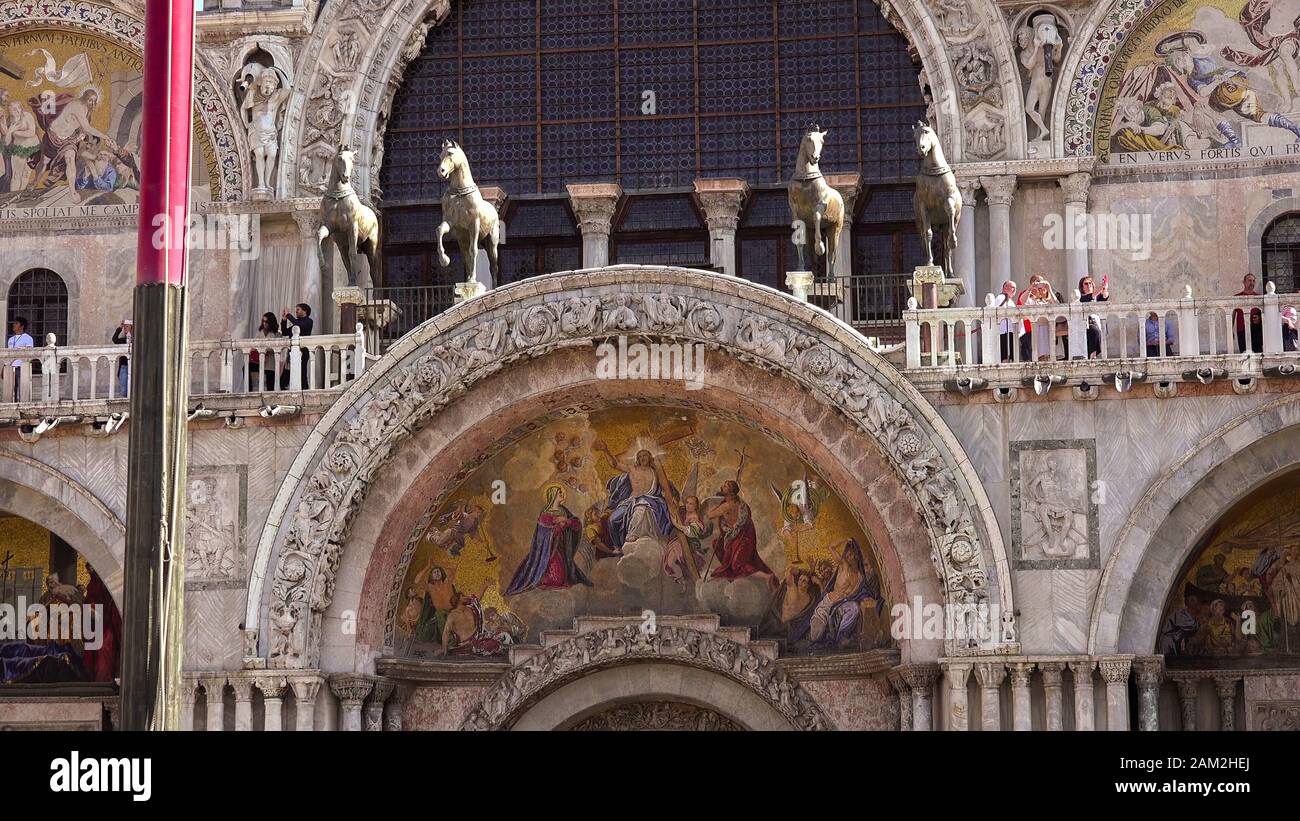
{"points": [[1026, 169], [447, 673], [843, 666]]}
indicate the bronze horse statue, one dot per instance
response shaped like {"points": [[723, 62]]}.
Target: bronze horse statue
{"points": [[346, 219], [465, 213], [937, 200], [816, 207]]}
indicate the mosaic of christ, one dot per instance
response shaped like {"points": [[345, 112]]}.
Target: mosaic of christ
{"points": [[632, 509], [70, 113]]}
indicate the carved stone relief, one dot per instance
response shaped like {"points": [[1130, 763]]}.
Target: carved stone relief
{"points": [[1054, 496], [216, 501], [656, 715]]}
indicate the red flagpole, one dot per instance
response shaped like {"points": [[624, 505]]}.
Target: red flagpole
{"points": [[159, 379]]}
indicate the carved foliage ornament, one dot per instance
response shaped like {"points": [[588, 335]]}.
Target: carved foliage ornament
{"points": [[302, 584], [582, 654]]}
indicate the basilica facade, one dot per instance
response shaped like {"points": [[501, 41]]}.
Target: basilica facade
{"points": [[638, 460]]}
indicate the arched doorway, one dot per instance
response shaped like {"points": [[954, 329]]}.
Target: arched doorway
{"points": [[1280, 252], [40, 297]]}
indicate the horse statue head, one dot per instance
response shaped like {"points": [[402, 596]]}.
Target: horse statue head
{"points": [[810, 147], [452, 158], [345, 160], [925, 138]]}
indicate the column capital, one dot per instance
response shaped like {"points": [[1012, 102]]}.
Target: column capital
{"points": [[991, 674], [1115, 669], [594, 205], [920, 676], [1001, 189], [1082, 668], [273, 686], [956, 672], [305, 687], [967, 186], [351, 688], [896, 681], [309, 222], [1052, 671], [383, 689], [849, 186], [721, 200], [1225, 686], [494, 194], [1076, 187], [1149, 669], [1020, 673], [214, 684], [243, 688], [1188, 686]]}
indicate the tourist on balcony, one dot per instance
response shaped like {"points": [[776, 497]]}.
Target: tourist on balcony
{"points": [[1153, 335], [268, 328], [1087, 293], [1008, 336], [1256, 319], [301, 319], [1289, 330], [1038, 293], [1025, 330], [20, 339], [123, 335]]}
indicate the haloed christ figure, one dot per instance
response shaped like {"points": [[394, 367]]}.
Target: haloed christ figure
{"points": [[550, 563]]}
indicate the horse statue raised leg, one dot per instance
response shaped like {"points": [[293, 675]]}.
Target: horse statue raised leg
{"points": [[346, 220], [817, 208], [465, 213], [937, 200]]}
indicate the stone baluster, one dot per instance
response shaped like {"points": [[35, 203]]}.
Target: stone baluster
{"points": [[965, 257], [1226, 688], [305, 689], [722, 200], [594, 205], [394, 707], [273, 689], [214, 690], [1083, 709], [374, 712], [1020, 716], [1189, 695], [1149, 670], [991, 674], [1053, 697], [1115, 671], [849, 186], [351, 689], [921, 679], [1000, 191], [243, 688], [1075, 187], [903, 695], [957, 673]]}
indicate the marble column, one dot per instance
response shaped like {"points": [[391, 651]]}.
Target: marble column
{"points": [[314, 285], [849, 186], [1020, 675], [351, 689], [1189, 697], [214, 690], [1148, 670], [1226, 689], [1083, 709], [189, 694], [991, 674], [374, 712], [594, 205], [1000, 191], [243, 688], [482, 267], [921, 679], [1053, 697], [956, 674], [393, 708], [722, 200], [965, 256], [273, 690], [304, 696], [903, 695], [1075, 186], [1115, 671]]}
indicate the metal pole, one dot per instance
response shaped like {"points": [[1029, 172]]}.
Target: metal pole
{"points": [[155, 530]]}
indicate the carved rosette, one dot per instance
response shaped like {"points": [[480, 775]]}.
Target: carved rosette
{"points": [[586, 653], [391, 402]]}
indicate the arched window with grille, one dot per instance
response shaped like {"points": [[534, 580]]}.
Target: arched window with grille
{"points": [[1281, 252], [39, 296]]}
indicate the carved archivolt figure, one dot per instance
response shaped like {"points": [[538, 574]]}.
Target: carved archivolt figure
{"points": [[264, 99], [1041, 49]]}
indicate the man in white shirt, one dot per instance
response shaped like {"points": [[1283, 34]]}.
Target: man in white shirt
{"points": [[20, 339], [1008, 333]]}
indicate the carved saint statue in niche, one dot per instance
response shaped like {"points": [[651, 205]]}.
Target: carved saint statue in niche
{"points": [[1041, 49], [263, 102]]}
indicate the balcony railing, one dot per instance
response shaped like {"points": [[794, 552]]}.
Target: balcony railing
{"points": [[1106, 332], [54, 373], [414, 304], [873, 304]]}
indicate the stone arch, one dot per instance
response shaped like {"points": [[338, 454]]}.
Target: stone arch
{"points": [[1169, 520], [625, 663], [211, 103], [1259, 225], [295, 572], [358, 97], [41, 494]]}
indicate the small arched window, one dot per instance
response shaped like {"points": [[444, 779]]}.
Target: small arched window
{"points": [[1281, 252], [40, 297]]}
